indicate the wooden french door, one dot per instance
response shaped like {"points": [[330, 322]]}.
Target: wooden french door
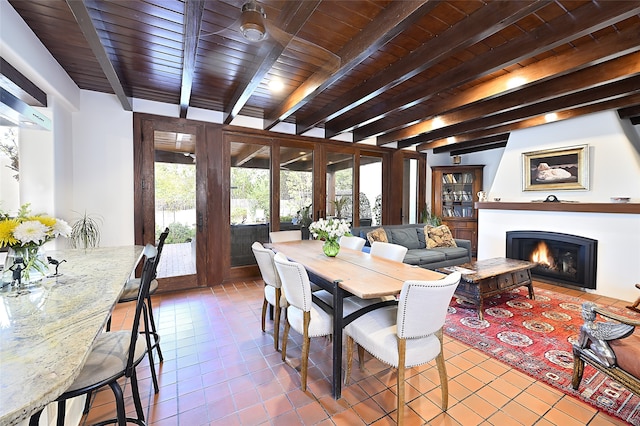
{"points": [[153, 142]]}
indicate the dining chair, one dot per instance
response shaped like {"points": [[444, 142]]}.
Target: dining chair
{"points": [[388, 251], [284, 236], [272, 288], [355, 243], [408, 334], [130, 294], [303, 315], [115, 354]]}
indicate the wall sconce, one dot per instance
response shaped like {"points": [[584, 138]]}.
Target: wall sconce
{"points": [[456, 159]]}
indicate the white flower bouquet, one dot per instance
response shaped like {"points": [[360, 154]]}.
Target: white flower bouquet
{"points": [[329, 230]]}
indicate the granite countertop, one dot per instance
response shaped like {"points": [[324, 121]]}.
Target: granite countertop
{"points": [[46, 334]]}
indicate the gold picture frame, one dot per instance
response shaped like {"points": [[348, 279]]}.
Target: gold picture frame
{"points": [[561, 169]]}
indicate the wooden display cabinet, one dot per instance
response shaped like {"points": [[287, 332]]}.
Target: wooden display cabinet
{"points": [[453, 193]]}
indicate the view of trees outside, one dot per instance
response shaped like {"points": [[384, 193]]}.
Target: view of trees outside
{"points": [[250, 195], [342, 205], [296, 192], [175, 192]]}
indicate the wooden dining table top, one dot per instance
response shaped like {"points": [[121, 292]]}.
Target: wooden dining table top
{"points": [[359, 273], [47, 333]]}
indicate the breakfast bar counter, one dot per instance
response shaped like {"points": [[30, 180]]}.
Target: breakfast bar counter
{"points": [[47, 332]]}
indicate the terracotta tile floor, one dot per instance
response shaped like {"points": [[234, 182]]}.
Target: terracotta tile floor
{"points": [[221, 369]]}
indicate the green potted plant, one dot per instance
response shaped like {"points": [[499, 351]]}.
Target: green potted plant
{"points": [[429, 217], [85, 232]]}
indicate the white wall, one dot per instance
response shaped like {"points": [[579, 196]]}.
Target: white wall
{"points": [[103, 165], [614, 171], [614, 163]]}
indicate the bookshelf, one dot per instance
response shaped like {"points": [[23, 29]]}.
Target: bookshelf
{"points": [[454, 190]]}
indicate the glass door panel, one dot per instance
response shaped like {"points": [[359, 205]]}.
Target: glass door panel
{"points": [[175, 201], [340, 186], [410, 191], [250, 199], [296, 188], [370, 190]]}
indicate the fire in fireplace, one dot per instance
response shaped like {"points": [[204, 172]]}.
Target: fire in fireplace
{"points": [[560, 258]]}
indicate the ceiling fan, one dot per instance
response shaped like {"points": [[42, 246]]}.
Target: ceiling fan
{"points": [[255, 27]]}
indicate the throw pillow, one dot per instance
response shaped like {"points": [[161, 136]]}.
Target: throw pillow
{"points": [[377, 235], [439, 236], [407, 237]]}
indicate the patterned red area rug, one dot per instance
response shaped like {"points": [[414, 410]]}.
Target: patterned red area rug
{"points": [[536, 337]]}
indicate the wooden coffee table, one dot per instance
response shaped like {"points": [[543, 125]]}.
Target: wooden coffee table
{"points": [[488, 277]]}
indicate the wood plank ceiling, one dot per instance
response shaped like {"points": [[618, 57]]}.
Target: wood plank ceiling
{"points": [[456, 76]]}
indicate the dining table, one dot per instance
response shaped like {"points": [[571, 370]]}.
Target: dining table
{"points": [[47, 328], [351, 273]]}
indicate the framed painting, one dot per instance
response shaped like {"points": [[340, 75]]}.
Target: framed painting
{"points": [[563, 168]]}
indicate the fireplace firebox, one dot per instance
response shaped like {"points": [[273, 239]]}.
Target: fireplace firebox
{"points": [[560, 258]]}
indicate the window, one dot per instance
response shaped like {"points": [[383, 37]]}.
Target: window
{"points": [[370, 190], [340, 185]]}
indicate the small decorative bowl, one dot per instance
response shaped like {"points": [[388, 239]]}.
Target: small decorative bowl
{"points": [[497, 199], [619, 199]]}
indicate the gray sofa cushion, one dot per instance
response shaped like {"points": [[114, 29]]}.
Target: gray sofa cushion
{"points": [[453, 252], [427, 255], [407, 237]]}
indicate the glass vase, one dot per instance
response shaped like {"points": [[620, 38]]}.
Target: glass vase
{"points": [[28, 263], [331, 248]]}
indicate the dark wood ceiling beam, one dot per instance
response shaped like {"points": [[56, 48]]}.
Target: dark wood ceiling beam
{"points": [[393, 20], [565, 85], [82, 17], [582, 21], [629, 112], [451, 144], [614, 95], [291, 20], [480, 147], [488, 20], [193, 21], [487, 140], [609, 47]]}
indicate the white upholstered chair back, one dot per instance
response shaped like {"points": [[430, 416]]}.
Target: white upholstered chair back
{"points": [[295, 282], [388, 251], [423, 306], [264, 258], [355, 243], [284, 236]]}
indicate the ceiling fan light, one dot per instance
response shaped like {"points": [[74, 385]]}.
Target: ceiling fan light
{"points": [[252, 23]]}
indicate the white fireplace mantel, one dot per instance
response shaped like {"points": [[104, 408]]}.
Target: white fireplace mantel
{"points": [[615, 226]]}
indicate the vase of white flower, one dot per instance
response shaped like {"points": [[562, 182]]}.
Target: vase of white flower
{"points": [[30, 263], [24, 235], [330, 231]]}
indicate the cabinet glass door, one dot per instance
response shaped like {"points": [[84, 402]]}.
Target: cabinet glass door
{"points": [[457, 195]]}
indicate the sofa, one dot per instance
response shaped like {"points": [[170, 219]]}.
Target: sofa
{"points": [[412, 236]]}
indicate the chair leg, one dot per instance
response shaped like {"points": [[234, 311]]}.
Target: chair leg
{"points": [[634, 307], [136, 395], [442, 372], [361, 357], [305, 349], [264, 313], [347, 376], [120, 410], [152, 363], [156, 336], [402, 351], [285, 335], [276, 320]]}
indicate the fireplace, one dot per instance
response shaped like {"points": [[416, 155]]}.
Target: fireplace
{"points": [[561, 258]]}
